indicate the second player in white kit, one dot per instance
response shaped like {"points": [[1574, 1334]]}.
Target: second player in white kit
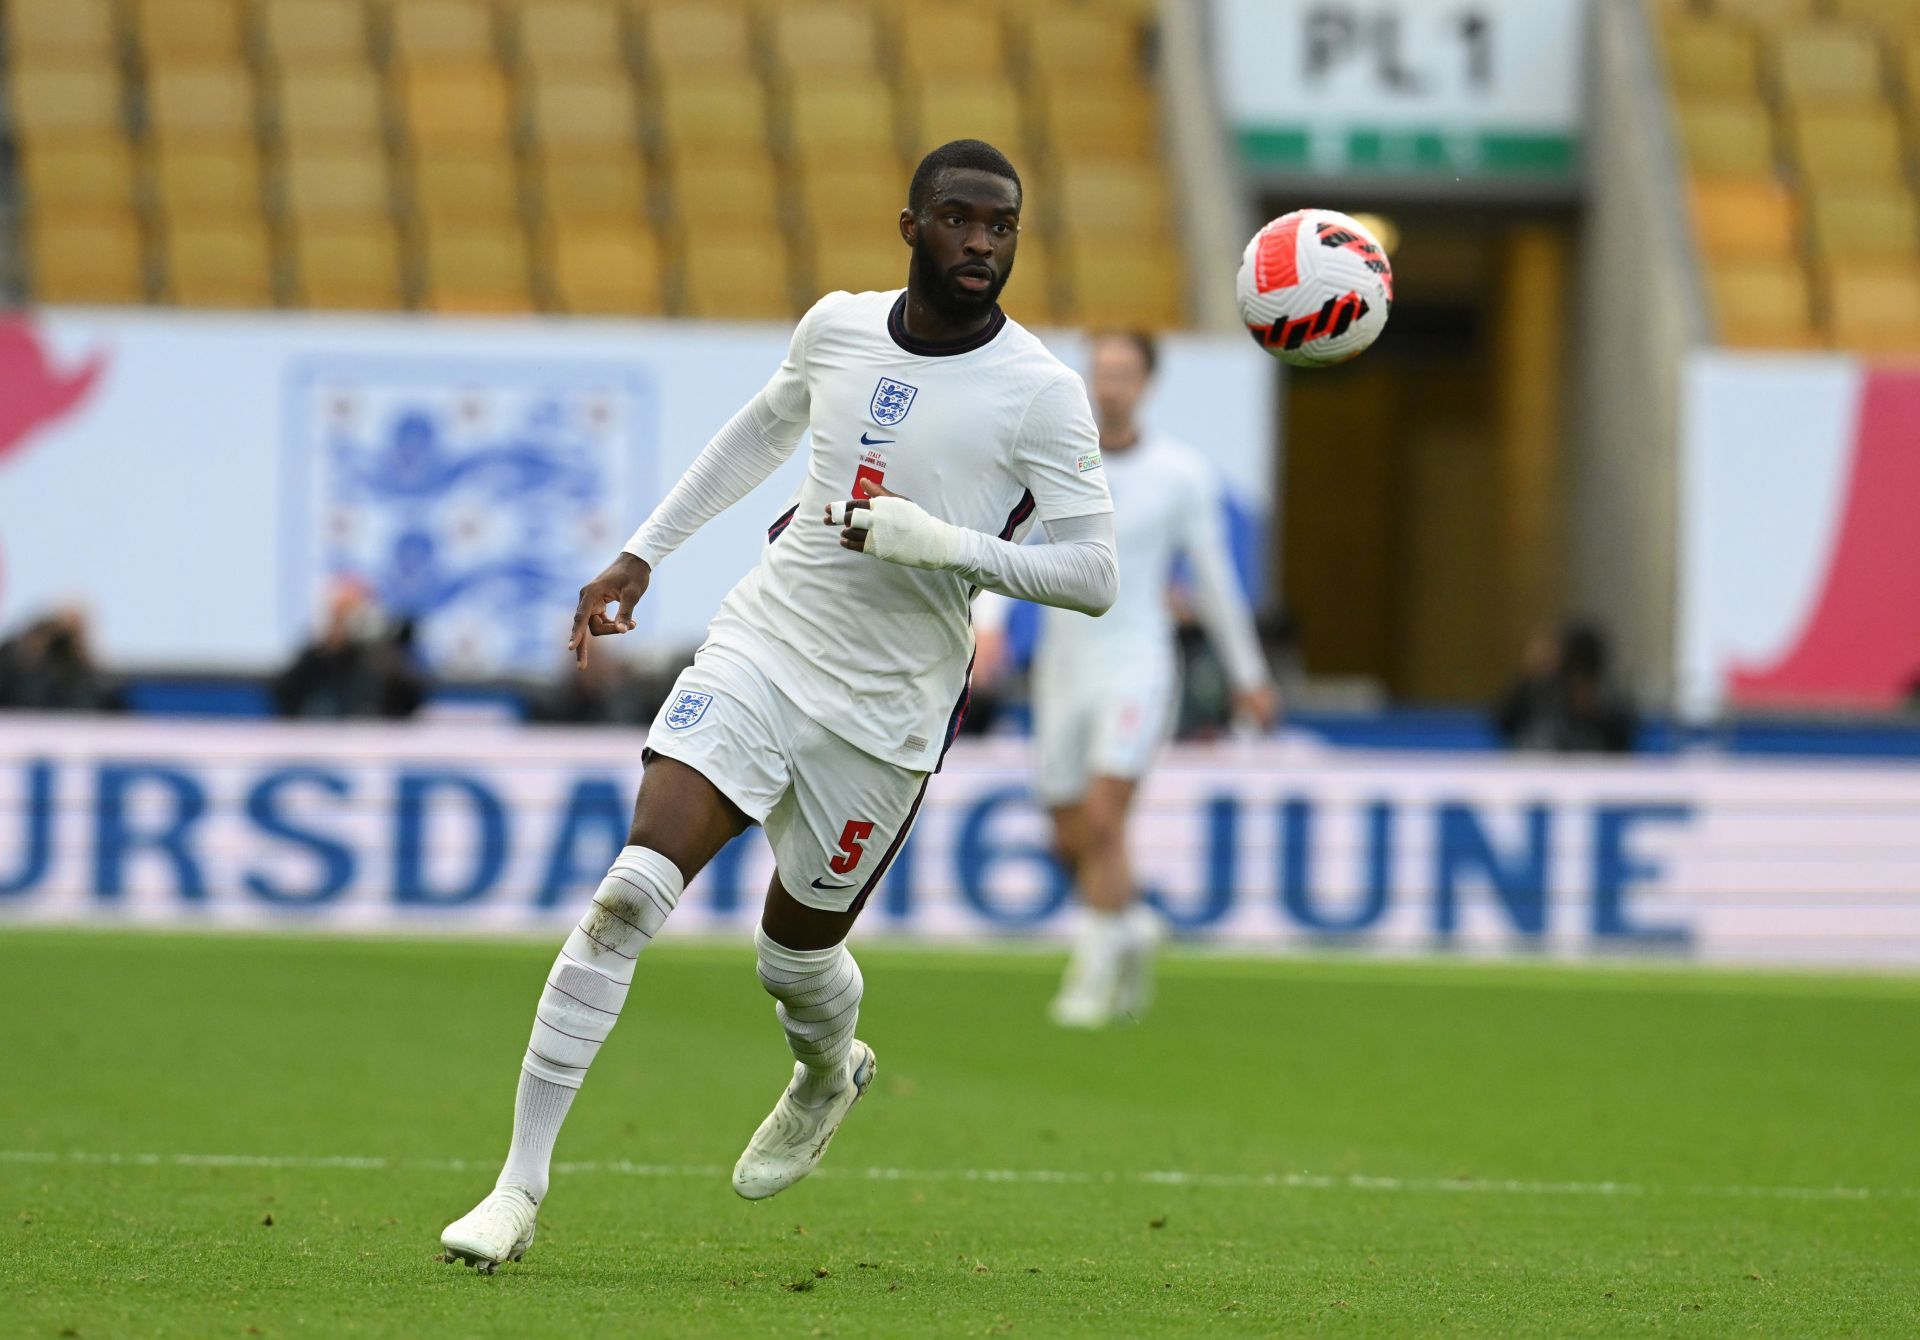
{"points": [[1105, 689], [835, 673]]}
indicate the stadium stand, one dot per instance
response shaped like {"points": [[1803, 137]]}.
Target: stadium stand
{"points": [[666, 138], [1798, 120]]}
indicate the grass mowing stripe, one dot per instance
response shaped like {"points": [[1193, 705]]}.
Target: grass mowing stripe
{"points": [[1293, 1181]]}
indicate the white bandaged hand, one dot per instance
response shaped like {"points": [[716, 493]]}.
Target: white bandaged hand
{"points": [[901, 531]]}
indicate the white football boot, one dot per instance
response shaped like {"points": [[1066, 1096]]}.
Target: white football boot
{"points": [[1087, 992], [791, 1140], [1133, 991], [500, 1228]]}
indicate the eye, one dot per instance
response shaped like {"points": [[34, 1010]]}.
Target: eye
{"points": [[1004, 230], [954, 221]]}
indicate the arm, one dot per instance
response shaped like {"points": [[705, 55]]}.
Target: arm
{"points": [[751, 446], [1217, 598], [1076, 569]]}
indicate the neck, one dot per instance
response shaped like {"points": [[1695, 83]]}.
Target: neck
{"points": [[1119, 436], [926, 322]]}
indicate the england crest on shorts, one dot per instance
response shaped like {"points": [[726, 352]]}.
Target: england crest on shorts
{"points": [[688, 708], [891, 401]]}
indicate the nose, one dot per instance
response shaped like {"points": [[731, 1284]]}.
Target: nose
{"points": [[979, 241]]}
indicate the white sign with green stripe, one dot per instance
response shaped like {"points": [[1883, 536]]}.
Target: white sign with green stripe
{"points": [[1469, 88]]}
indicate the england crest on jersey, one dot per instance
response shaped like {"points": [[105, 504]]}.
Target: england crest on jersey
{"points": [[687, 709], [891, 401]]}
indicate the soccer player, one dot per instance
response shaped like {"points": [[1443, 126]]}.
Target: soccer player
{"points": [[1104, 689], [835, 674]]}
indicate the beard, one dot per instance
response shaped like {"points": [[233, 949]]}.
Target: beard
{"points": [[952, 302]]}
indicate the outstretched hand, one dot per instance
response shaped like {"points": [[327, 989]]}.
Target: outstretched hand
{"points": [[624, 581]]}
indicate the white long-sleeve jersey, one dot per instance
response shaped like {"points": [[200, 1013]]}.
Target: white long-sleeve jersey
{"points": [[1166, 503], [987, 434]]}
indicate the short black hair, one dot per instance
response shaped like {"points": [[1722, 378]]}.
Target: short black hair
{"points": [[1148, 346], [956, 155]]}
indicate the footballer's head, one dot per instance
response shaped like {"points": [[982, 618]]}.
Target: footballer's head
{"points": [[963, 221], [1122, 365]]}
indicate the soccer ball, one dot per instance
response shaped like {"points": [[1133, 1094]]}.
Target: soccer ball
{"points": [[1315, 288]]}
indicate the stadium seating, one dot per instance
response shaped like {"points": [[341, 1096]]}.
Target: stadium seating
{"points": [[1796, 121], [328, 149]]}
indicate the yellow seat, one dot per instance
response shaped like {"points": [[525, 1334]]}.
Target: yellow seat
{"points": [[603, 270], [1768, 13], [722, 113], [737, 192], [60, 30], [685, 39], [458, 106], [858, 266], [951, 42], [85, 256], [1845, 147], [1874, 307], [474, 266], [307, 32], [840, 116], [812, 40], [1889, 15], [569, 35], [1744, 217], [1865, 223], [987, 108], [340, 181], [328, 106], [1126, 287], [590, 186], [1711, 59], [1113, 120], [66, 101], [207, 178], [191, 31], [1730, 137], [1829, 64], [203, 102], [1120, 198], [1763, 304], [442, 32], [452, 185], [855, 200], [736, 275], [347, 265], [1907, 64], [1082, 41], [78, 175], [217, 261], [583, 110]]}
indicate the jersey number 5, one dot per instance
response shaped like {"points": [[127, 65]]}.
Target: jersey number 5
{"points": [[856, 832]]}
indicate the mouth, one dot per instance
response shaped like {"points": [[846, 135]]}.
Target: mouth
{"points": [[973, 278]]}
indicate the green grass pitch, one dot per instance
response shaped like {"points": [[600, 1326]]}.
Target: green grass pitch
{"points": [[1291, 1147]]}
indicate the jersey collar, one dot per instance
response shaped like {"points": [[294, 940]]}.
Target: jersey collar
{"points": [[897, 328]]}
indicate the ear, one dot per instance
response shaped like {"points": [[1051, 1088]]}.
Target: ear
{"points": [[909, 226]]}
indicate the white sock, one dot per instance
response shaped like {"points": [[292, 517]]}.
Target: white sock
{"points": [[538, 1109], [817, 998], [582, 1000]]}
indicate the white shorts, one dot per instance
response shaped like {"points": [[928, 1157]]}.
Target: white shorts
{"points": [[1097, 729], [835, 815]]}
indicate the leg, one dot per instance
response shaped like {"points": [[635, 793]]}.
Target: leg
{"points": [[1093, 835], [828, 861], [680, 820]]}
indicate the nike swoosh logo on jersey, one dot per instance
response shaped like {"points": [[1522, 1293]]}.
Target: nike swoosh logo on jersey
{"points": [[818, 885], [866, 441]]}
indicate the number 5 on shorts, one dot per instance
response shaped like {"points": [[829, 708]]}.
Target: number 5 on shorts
{"points": [[856, 832]]}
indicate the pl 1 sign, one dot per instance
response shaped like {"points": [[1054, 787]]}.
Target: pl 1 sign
{"points": [[1476, 89]]}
